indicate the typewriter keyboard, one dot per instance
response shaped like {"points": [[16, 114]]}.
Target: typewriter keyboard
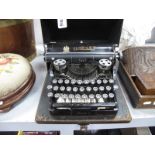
{"points": [[78, 92]]}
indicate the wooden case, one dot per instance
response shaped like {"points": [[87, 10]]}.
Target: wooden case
{"points": [[137, 71]]}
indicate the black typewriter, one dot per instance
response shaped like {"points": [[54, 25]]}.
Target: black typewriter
{"points": [[82, 60]]}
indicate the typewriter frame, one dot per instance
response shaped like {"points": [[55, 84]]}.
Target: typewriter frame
{"points": [[101, 48]]}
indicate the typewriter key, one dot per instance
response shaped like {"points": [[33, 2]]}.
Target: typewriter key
{"points": [[78, 96], [101, 88], [105, 96], [55, 88], [60, 81], [111, 95], [68, 89], [91, 96], [71, 96], [74, 100], [79, 82], [92, 82], [60, 100], [49, 87], [98, 96], [95, 89], [57, 95], [62, 88], [100, 100], [73, 81], [86, 81], [87, 100], [105, 81], [75, 89], [111, 81], [88, 89], [108, 88], [66, 81], [99, 81], [93, 100], [50, 94], [84, 96], [54, 81], [82, 89], [68, 100]]}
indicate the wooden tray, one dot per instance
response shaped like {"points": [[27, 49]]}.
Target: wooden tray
{"points": [[137, 72]]}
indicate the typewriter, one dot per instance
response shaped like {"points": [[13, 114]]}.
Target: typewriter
{"points": [[82, 61]]}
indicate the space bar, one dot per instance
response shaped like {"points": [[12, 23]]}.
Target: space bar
{"points": [[104, 104]]}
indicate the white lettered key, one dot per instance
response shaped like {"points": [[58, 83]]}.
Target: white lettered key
{"points": [[108, 88], [82, 89], [75, 89], [55, 88], [101, 88], [49, 87], [60, 81], [98, 81], [62, 88], [88, 89]]}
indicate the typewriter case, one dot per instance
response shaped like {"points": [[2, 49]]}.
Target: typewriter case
{"points": [[87, 40]]}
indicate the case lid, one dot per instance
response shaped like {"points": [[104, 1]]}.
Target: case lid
{"points": [[105, 31]]}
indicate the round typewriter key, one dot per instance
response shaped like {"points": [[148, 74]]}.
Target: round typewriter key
{"points": [[84, 96], [99, 81], [66, 81], [55, 88], [78, 96], [108, 88], [82, 89], [111, 95], [68, 89], [73, 81], [91, 96], [60, 81], [75, 89], [111, 81], [57, 95], [101, 88], [95, 89], [71, 96], [88, 89], [65, 96], [105, 81], [86, 81], [79, 82], [54, 81], [50, 94], [49, 87], [62, 88], [98, 96], [92, 82], [105, 96]]}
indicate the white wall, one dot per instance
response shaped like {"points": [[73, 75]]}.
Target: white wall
{"points": [[37, 31]]}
